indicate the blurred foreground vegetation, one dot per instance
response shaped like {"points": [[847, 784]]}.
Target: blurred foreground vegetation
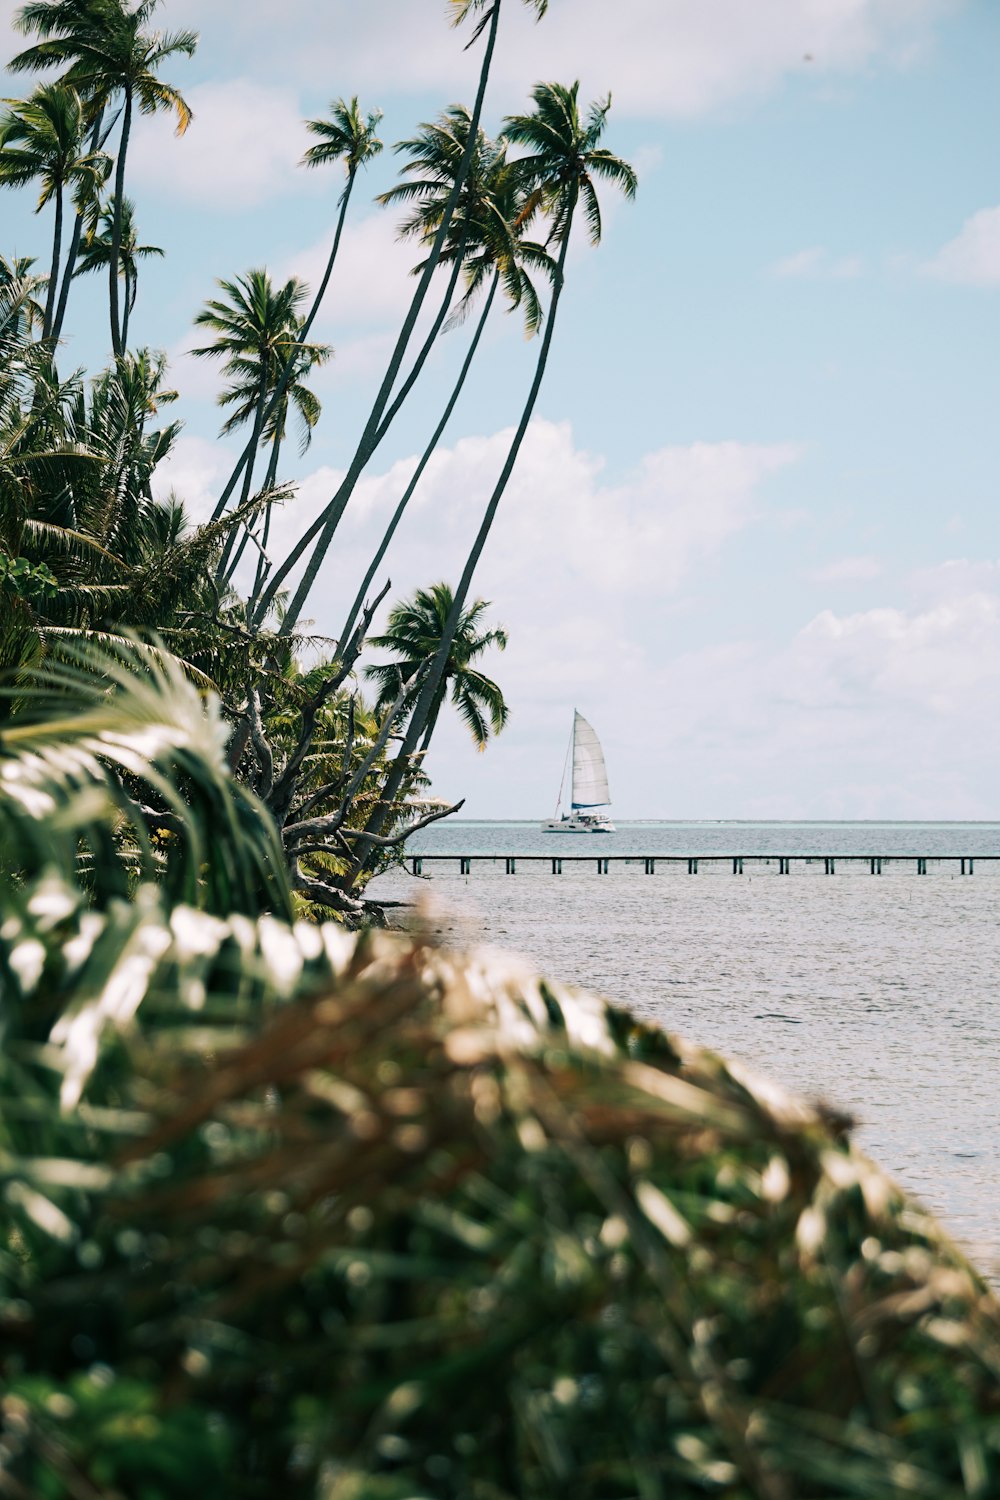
{"points": [[290, 1211]]}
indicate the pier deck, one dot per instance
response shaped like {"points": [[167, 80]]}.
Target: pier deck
{"points": [[736, 864]]}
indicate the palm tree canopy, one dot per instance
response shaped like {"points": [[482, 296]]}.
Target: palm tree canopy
{"points": [[414, 631], [256, 329], [487, 228], [104, 48], [346, 136], [43, 138], [563, 158], [97, 249], [460, 9]]}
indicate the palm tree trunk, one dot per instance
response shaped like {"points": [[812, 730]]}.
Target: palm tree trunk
{"points": [[426, 348], [331, 516], [269, 483], [127, 302], [50, 300], [420, 717], [258, 424], [116, 231], [428, 454], [303, 334], [75, 238], [272, 470], [328, 520], [432, 719]]}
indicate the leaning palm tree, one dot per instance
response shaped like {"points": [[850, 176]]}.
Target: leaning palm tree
{"points": [[413, 635], [107, 52], [487, 240], [257, 328], [44, 139], [97, 253], [348, 136], [320, 534], [563, 157]]}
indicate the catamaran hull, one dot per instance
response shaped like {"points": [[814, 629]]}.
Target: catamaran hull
{"points": [[573, 825]]}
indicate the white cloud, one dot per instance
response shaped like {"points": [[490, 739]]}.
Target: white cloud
{"points": [[973, 256], [195, 472], [563, 532], [371, 282], [818, 264], [566, 541], [889, 712], [662, 57], [849, 570], [241, 149], [892, 711]]}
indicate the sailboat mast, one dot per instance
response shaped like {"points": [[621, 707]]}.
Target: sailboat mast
{"points": [[569, 753]]}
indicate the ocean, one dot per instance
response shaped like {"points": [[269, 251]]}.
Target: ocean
{"points": [[877, 992]]}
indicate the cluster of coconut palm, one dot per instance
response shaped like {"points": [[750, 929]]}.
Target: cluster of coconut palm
{"points": [[90, 548]]}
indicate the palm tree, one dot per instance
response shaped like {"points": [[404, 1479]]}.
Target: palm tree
{"points": [[258, 331], [486, 238], [66, 18], [43, 139], [106, 52], [347, 136], [562, 160], [19, 273], [321, 532], [413, 634], [97, 253]]}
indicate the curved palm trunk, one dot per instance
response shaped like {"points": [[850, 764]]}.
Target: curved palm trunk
{"points": [[116, 231], [50, 300], [75, 238], [326, 523], [428, 454], [129, 303], [331, 516], [269, 483], [303, 334], [436, 707], [272, 472], [428, 345], [419, 719], [258, 425]]}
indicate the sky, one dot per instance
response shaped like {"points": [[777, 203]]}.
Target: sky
{"points": [[753, 532]]}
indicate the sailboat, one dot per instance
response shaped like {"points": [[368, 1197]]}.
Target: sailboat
{"points": [[588, 785]]}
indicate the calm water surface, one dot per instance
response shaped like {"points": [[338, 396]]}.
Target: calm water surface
{"points": [[877, 993]]}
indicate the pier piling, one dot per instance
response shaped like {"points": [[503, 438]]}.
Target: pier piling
{"points": [[740, 864]]}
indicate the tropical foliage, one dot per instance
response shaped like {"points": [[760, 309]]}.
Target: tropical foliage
{"points": [[413, 634]]}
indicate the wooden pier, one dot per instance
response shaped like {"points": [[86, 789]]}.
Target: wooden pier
{"points": [[736, 864]]}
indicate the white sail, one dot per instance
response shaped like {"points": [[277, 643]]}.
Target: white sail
{"points": [[590, 776]]}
